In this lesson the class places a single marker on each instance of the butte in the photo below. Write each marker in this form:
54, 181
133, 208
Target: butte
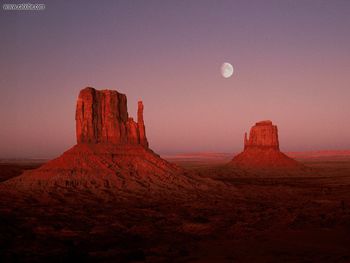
261, 150
112, 151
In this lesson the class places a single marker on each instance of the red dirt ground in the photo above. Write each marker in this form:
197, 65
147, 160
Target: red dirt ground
230, 216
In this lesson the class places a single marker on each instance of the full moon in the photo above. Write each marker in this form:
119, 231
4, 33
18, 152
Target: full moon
226, 70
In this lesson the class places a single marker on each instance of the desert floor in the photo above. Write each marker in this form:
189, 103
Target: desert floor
256, 216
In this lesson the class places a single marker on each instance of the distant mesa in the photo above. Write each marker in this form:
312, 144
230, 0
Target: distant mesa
261, 149
112, 151
263, 135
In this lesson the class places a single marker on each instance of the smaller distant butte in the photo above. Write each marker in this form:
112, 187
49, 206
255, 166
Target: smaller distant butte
261, 149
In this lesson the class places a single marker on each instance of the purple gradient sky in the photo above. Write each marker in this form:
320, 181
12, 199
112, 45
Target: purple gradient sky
291, 59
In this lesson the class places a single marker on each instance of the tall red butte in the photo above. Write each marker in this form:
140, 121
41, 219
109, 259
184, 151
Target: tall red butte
112, 151
261, 149
102, 117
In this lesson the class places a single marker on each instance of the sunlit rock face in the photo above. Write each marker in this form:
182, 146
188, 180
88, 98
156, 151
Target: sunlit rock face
141, 125
102, 117
261, 149
111, 152
262, 135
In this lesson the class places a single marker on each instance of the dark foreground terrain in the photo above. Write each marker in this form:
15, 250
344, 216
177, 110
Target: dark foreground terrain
254, 217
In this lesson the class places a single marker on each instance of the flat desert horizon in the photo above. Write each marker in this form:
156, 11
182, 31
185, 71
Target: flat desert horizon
291, 217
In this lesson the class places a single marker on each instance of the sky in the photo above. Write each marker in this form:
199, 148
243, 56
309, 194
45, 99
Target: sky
291, 60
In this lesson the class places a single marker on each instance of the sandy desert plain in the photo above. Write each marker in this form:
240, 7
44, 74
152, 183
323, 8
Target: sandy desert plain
236, 216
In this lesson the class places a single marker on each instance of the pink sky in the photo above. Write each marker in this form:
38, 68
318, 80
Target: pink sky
292, 64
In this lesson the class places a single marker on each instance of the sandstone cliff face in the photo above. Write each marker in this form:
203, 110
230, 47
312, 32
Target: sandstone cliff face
141, 125
111, 152
102, 117
261, 149
262, 135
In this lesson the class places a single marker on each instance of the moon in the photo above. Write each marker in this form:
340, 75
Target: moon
226, 70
